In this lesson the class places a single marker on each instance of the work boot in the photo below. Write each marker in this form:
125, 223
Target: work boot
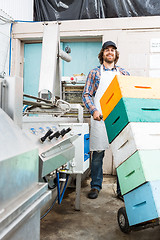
93, 193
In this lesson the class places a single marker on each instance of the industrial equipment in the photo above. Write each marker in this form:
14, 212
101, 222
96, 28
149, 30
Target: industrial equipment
54, 116
72, 88
22, 196
41, 146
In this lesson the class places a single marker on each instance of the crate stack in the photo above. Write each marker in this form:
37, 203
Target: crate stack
131, 111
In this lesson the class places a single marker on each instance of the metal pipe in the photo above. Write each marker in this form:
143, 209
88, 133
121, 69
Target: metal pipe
65, 56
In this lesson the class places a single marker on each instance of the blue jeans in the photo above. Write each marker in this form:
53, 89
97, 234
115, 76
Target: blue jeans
97, 170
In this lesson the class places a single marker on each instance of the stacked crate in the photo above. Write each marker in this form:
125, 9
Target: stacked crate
131, 111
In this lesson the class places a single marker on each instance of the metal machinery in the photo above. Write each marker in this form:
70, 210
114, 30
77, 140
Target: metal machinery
41, 146
21, 195
60, 118
65, 150
72, 88
57, 124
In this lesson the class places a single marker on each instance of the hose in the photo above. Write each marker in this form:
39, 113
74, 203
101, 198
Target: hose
58, 197
49, 209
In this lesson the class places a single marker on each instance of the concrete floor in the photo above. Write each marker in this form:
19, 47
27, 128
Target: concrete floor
97, 219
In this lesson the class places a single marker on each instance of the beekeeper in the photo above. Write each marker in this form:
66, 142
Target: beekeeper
96, 84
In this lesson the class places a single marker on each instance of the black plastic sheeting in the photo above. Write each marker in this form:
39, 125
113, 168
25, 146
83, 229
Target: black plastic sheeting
55, 10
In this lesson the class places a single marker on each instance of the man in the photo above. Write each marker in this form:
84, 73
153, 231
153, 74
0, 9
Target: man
96, 84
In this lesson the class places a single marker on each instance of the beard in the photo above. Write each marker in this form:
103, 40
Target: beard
109, 61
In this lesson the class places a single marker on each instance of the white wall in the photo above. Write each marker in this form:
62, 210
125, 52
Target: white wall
11, 10
18, 9
133, 37
4, 46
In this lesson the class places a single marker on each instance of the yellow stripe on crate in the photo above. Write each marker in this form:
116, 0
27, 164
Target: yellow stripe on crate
131, 87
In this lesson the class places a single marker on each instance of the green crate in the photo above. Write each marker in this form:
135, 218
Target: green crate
141, 167
131, 110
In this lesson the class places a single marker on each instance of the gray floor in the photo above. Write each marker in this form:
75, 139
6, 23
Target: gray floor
97, 219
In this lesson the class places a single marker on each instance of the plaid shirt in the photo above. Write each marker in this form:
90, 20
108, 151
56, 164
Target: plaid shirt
92, 84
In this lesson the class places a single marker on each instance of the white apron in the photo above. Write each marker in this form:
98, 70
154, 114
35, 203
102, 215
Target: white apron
98, 134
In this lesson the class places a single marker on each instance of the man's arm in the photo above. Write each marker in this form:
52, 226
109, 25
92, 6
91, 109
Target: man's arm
89, 90
97, 116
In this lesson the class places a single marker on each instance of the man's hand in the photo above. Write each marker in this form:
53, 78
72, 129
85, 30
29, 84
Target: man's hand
97, 116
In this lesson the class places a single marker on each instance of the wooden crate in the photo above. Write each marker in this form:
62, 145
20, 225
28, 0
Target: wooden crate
141, 167
131, 110
131, 87
135, 136
143, 204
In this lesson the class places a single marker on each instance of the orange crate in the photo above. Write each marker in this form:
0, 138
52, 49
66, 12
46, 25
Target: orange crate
130, 87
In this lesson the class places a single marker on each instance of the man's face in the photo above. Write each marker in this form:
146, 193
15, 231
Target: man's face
109, 54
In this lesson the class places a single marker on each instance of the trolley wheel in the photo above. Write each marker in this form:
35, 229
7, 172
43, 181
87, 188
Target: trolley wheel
123, 220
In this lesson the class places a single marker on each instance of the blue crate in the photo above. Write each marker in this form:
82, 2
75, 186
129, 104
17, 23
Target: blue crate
143, 203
